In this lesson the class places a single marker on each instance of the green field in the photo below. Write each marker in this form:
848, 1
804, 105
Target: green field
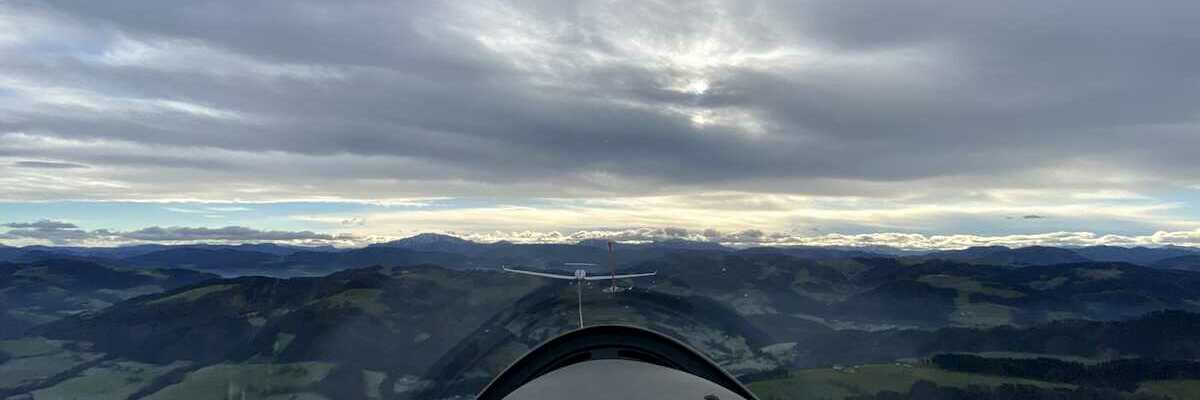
30, 346
974, 314
248, 381
109, 380
1183, 389
1020, 355
366, 300
194, 294
827, 383
36, 359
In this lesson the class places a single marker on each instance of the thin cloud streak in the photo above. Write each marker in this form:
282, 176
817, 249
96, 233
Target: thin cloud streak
62, 233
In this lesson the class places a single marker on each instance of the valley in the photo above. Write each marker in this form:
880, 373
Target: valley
793, 322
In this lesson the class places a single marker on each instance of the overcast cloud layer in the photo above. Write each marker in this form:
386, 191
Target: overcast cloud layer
791, 118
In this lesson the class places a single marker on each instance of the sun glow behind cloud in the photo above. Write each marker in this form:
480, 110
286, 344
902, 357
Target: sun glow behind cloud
539, 120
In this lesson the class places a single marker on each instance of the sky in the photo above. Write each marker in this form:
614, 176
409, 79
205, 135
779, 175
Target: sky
916, 124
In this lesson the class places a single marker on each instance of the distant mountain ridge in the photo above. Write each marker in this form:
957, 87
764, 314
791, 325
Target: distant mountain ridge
1044, 255
1134, 255
1000, 255
439, 243
1189, 262
454, 252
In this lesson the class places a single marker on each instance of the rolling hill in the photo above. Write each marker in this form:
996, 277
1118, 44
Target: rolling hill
424, 330
48, 290
1189, 262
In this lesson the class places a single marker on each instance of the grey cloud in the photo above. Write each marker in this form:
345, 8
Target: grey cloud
746, 236
56, 236
56, 232
66, 233
41, 224
1033, 216
382, 33
228, 233
907, 241
639, 234
643, 234
634, 234
675, 232
897, 91
48, 165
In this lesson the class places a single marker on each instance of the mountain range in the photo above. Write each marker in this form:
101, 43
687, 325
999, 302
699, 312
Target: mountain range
453, 252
